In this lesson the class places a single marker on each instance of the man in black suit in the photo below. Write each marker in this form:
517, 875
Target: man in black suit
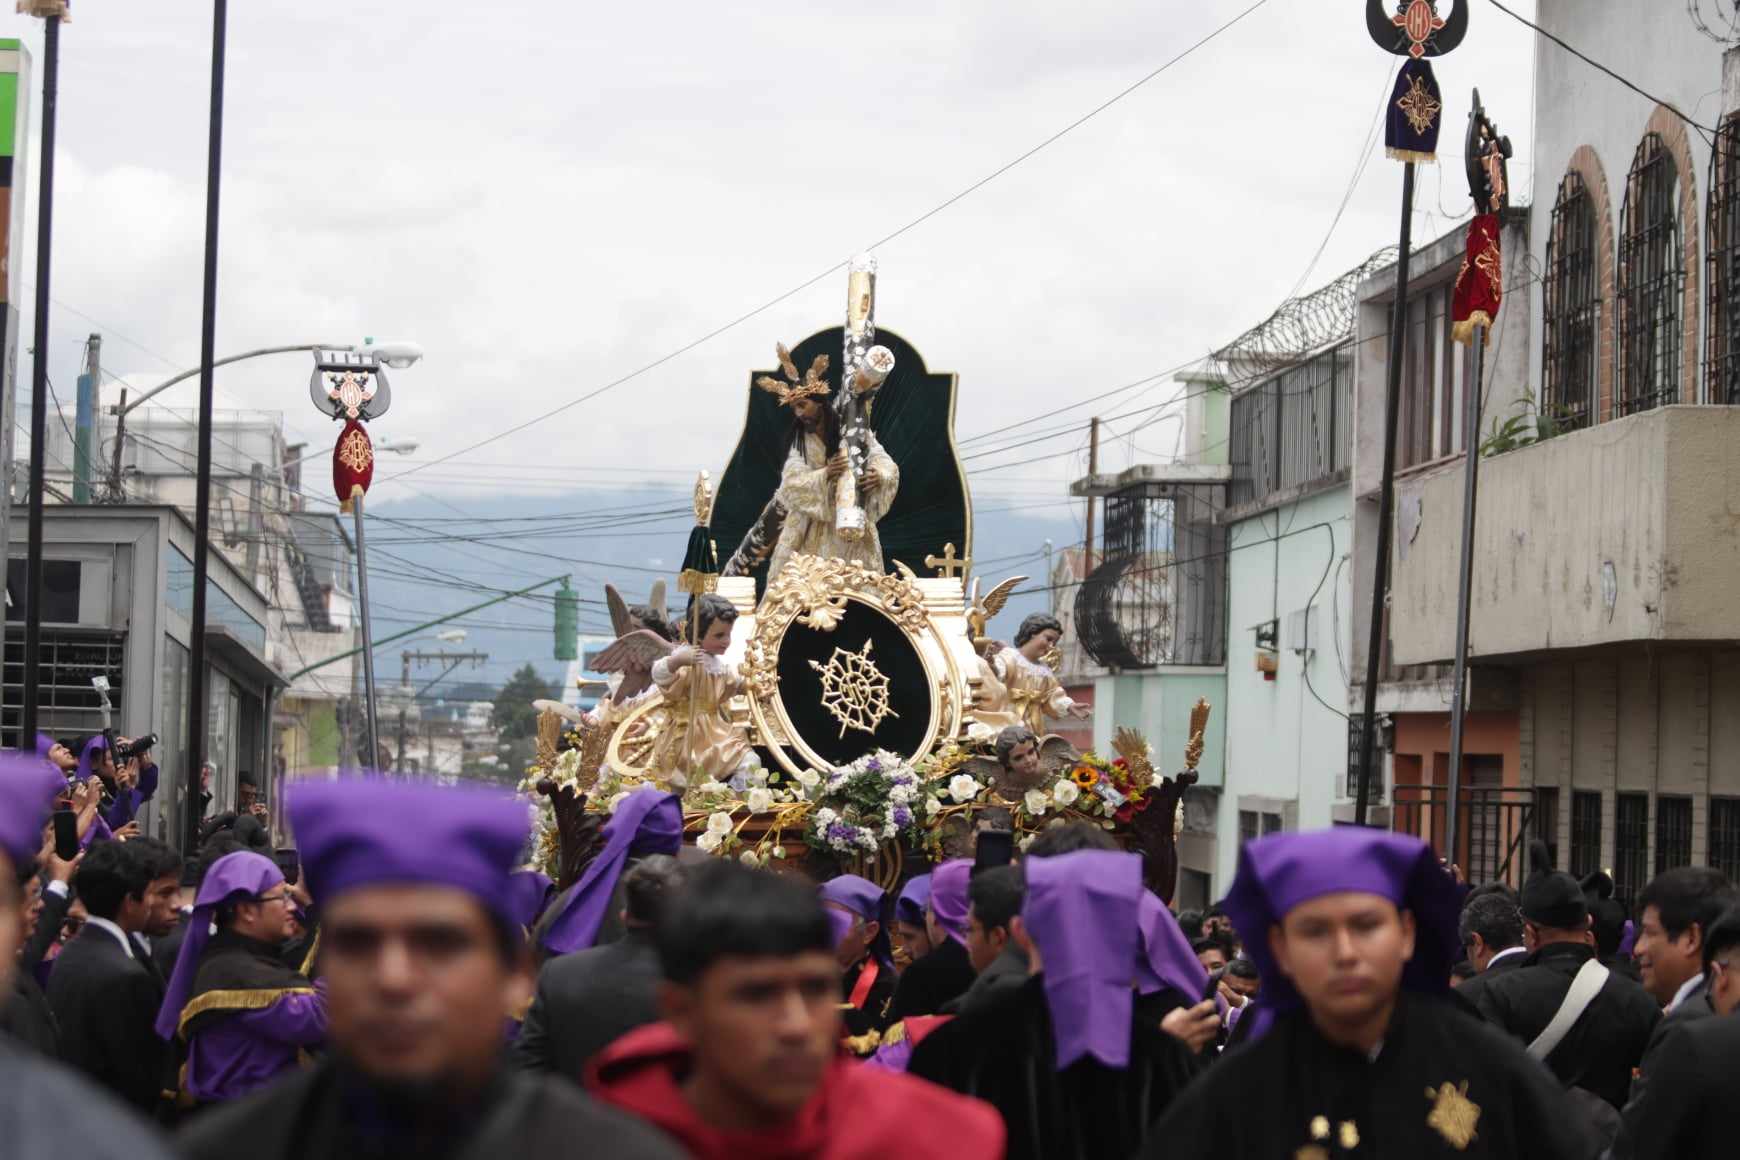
588, 999
104, 990
1491, 927
1687, 1110
1675, 911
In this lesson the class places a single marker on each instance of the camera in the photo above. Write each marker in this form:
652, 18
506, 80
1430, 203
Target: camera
138, 747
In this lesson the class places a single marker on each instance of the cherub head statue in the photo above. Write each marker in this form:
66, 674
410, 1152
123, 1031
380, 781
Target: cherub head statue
1018, 753
1038, 635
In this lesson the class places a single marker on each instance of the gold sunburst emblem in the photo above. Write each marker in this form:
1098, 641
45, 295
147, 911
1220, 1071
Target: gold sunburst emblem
1453, 1114
1419, 106
854, 690
354, 451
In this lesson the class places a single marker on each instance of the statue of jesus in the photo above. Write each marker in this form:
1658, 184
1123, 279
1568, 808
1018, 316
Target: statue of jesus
814, 464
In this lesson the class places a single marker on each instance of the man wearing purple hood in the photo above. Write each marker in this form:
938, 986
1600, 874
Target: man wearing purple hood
421, 956
1078, 1070
945, 972
1356, 1049
245, 1016
46, 1110
856, 906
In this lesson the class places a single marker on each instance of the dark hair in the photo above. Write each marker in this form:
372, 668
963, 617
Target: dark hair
649, 885
219, 845
1462, 969
158, 858
1200, 945
1723, 934
1228, 940
1009, 739
1686, 895
108, 875
1191, 922
830, 428
712, 608
1607, 920
996, 895
1242, 968
1495, 918
1070, 838
1215, 910
1034, 624
244, 778
728, 910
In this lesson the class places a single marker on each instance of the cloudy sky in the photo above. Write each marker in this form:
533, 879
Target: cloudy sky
549, 196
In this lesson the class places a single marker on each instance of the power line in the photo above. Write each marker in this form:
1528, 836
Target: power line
838, 266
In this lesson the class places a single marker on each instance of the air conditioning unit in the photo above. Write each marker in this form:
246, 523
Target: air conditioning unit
1302, 630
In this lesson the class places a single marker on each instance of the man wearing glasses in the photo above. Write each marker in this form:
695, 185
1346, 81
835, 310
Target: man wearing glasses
245, 1016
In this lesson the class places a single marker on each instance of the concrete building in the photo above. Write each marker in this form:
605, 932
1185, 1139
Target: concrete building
1604, 620
117, 596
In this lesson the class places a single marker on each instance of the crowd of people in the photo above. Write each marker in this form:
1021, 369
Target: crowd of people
405, 988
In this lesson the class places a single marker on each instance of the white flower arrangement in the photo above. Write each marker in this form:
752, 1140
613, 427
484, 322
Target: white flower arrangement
759, 801
719, 824
708, 843
864, 804
1065, 792
1037, 802
963, 787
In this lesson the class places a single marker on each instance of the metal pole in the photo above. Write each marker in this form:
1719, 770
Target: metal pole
84, 417
1465, 588
1093, 468
368, 652
196, 739
39, 385
1386, 501
404, 684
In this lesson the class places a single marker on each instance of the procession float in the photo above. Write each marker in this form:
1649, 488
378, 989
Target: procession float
829, 699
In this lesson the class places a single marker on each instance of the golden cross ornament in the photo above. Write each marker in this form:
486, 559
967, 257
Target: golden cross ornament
947, 565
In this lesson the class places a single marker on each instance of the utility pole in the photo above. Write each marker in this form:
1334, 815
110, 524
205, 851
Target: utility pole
406, 660
84, 438
51, 14
1093, 468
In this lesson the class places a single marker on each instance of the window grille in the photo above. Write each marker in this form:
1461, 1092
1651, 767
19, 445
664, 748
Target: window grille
67, 705
1630, 845
1725, 836
1722, 288
1651, 278
1572, 310
1585, 833
1673, 832
1546, 820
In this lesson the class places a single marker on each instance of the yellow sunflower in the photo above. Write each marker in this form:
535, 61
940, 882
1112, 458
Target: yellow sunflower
1084, 776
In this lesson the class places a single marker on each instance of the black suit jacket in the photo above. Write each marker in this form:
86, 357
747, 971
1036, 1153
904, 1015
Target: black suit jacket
106, 1002
1509, 962
1695, 1007
28, 1018
586, 1001
1687, 1110
1602, 1047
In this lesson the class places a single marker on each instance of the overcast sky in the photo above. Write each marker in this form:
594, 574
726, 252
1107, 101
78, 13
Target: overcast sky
547, 196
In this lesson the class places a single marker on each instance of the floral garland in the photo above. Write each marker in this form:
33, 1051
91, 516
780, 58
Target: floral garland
866, 803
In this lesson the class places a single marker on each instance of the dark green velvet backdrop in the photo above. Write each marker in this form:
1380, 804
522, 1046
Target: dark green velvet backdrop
911, 419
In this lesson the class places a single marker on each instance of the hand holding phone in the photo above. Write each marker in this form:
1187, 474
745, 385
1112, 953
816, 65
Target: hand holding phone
66, 836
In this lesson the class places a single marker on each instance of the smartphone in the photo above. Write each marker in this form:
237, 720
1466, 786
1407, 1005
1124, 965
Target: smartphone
1212, 989
993, 848
66, 835
289, 863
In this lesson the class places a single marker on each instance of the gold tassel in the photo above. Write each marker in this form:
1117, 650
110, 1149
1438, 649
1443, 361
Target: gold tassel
1463, 331
1416, 155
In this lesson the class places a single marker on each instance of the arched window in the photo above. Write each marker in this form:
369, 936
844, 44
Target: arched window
1572, 311
1651, 281
1722, 366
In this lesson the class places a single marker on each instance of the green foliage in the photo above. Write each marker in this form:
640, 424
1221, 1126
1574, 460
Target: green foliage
1531, 424
513, 715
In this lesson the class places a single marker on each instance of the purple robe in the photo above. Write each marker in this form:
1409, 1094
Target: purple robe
126, 805
247, 1050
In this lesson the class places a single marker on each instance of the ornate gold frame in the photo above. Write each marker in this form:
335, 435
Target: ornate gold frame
814, 591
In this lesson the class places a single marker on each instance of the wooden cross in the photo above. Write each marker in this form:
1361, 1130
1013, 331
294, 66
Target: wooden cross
946, 564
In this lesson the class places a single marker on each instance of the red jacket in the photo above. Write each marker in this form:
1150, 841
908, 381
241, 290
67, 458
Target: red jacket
860, 1113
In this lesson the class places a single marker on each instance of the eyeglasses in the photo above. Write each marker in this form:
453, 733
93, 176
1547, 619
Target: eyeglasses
281, 896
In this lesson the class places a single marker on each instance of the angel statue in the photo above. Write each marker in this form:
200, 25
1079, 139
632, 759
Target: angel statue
643, 635
697, 686
1017, 686
814, 463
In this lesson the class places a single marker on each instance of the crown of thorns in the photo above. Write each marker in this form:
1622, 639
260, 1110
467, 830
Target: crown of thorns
812, 384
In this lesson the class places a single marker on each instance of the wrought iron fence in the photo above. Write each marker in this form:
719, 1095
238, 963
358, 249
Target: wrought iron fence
1572, 310
1494, 824
1651, 280
1722, 287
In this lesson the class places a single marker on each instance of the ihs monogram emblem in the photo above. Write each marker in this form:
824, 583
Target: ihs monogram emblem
1418, 106
854, 690
1453, 1114
354, 451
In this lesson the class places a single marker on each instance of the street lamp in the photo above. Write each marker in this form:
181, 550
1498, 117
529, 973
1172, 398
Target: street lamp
397, 355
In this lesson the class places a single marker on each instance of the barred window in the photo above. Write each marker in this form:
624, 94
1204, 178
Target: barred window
1572, 309
1585, 833
1722, 334
1725, 836
1651, 278
1546, 820
1630, 845
1673, 832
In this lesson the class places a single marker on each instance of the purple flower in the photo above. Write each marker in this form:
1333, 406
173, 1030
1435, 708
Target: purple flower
873, 765
902, 816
